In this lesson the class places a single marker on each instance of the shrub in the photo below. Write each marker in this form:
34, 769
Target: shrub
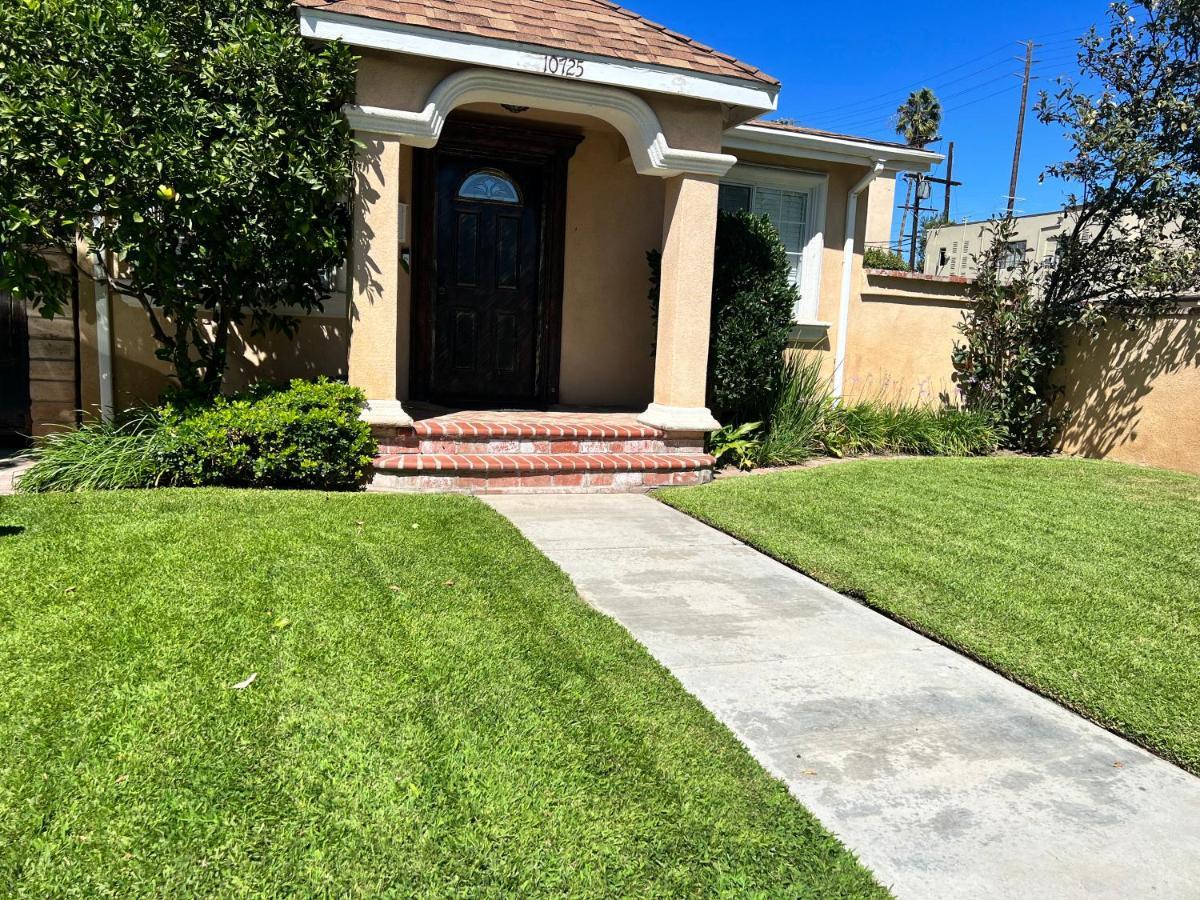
100, 456
753, 302
752, 308
881, 258
308, 435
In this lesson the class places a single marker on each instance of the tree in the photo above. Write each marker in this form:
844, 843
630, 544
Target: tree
917, 121
1131, 237
197, 149
919, 117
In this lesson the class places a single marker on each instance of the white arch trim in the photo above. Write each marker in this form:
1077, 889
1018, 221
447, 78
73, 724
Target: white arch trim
628, 113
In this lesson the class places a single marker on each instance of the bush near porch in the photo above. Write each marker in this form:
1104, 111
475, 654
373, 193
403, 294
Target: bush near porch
1080, 579
308, 434
435, 712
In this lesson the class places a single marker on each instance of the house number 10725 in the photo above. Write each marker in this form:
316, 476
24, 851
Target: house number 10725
563, 66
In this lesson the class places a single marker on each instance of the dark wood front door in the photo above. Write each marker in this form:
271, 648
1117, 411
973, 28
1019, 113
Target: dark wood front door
14, 368
485, 328
487, 273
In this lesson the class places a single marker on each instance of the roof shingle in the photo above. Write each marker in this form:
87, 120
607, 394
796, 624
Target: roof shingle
595, 27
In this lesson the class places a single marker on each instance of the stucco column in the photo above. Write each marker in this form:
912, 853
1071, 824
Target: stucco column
379, 293
684, 305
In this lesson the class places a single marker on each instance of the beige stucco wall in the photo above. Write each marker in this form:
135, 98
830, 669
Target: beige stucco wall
900, 334
1134, 396
139, 378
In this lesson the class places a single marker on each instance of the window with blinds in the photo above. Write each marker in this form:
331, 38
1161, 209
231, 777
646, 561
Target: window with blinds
791, 212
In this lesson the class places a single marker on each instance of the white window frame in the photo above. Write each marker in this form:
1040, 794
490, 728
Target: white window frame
815, 185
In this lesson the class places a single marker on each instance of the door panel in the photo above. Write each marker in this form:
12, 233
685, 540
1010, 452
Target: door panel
14, 367
488, 215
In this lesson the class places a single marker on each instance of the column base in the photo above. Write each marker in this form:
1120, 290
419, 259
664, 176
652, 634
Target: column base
679, 418
386, 412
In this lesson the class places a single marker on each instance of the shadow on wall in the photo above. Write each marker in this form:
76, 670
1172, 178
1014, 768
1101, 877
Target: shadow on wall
1108, 382
320, 347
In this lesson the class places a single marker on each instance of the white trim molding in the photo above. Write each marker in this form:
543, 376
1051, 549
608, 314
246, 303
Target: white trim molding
519, 56
628, 113
802, 145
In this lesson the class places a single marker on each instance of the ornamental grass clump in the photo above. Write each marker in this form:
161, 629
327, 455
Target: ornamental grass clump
806, 421
101, 456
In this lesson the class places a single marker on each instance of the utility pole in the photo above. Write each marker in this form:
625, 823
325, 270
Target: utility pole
949, 181
1012, 185
919, 183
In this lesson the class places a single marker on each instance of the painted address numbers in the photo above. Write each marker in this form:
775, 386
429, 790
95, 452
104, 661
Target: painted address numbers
563, 66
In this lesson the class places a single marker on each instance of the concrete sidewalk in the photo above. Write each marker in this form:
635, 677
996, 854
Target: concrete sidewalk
947, 779
11, 466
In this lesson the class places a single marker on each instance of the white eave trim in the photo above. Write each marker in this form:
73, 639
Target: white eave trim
825, 147
628, 113
521, 57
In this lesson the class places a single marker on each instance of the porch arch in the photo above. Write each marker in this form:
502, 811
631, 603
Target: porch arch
629, 114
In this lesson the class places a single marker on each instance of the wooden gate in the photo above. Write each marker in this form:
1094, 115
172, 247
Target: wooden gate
14, 369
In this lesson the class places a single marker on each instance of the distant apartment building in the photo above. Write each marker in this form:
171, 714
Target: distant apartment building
952, 249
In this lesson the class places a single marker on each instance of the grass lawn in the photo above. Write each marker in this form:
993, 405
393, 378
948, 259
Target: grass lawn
1081, 579
435, 712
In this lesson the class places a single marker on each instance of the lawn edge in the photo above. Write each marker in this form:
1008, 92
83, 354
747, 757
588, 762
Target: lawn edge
862, 599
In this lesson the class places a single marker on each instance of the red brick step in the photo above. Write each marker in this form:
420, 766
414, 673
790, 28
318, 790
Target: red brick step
505, 472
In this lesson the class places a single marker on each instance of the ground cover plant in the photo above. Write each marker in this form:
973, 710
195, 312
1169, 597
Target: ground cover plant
308, 434
1079, 578
215, 692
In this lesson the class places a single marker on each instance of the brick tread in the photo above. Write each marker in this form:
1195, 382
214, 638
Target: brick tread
543, 462
584, 431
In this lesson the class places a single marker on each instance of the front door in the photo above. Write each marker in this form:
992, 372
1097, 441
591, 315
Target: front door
486, 320
14, 368
488, 264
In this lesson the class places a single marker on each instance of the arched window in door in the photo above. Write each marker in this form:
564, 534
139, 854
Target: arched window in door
490, 185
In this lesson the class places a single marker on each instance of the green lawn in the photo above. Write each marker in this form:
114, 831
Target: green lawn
435, 712
1081, 579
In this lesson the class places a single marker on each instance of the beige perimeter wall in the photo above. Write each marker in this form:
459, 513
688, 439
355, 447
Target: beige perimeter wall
1133, 396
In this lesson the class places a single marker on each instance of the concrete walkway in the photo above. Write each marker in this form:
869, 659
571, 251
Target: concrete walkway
11, 466
947, 779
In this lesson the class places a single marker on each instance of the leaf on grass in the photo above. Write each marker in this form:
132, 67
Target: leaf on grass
282, 622
449, 583
121, 779
395, 587
70, 590
242, 685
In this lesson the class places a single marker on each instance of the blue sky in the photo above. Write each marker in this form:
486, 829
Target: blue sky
848, 70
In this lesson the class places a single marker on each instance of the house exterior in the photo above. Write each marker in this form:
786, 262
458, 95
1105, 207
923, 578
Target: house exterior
519, 160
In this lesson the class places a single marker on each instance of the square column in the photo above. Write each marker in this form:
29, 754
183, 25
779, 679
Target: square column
379, 290
684, 306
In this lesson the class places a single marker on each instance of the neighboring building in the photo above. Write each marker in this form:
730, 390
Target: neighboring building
953, 249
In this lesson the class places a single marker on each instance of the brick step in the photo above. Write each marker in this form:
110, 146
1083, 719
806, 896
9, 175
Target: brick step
517, 472
457, 437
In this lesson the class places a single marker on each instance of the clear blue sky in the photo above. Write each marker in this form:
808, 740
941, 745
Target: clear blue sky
847, 67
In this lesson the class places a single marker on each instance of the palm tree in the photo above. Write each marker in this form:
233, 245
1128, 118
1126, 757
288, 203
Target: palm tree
919, 117
917, 121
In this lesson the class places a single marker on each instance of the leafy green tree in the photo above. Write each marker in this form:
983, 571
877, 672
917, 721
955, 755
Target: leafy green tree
1131, 238
919, 117
196, 148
